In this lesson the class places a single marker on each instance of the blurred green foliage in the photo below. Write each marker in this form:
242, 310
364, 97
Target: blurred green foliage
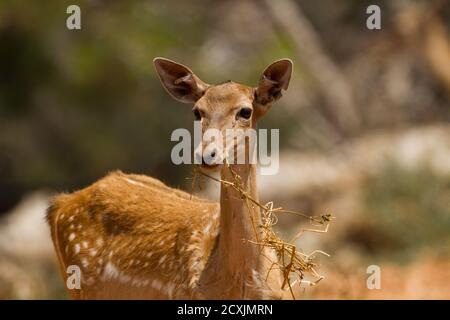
405, 210
76, 104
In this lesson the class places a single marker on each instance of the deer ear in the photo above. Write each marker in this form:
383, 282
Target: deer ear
179, 81
274, 79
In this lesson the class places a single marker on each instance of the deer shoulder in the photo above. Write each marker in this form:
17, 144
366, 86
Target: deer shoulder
134, 231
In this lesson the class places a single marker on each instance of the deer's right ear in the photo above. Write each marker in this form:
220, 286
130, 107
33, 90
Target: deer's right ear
179, 81
274, 79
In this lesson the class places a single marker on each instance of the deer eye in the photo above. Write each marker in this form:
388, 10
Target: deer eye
197, 115
245, 113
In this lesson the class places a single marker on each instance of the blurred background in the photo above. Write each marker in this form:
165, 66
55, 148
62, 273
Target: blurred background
364, 126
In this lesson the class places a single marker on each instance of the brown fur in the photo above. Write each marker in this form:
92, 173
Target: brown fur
134, 237
133, 220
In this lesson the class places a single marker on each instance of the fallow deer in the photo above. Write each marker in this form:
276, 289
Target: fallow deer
134, 237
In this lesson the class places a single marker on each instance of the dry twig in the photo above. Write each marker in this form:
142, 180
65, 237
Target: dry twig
292, 262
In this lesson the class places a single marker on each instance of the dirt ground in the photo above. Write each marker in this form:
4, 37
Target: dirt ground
422, 279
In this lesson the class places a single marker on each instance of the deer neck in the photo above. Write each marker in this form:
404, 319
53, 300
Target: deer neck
240, 268
239, 221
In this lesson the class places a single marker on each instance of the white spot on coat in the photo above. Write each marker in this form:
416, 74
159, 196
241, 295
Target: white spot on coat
84, 263
110, 272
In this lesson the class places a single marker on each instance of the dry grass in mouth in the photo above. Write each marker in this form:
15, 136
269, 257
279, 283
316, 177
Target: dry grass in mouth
292, 262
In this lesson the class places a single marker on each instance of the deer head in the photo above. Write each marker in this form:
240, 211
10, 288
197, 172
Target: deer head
225, 108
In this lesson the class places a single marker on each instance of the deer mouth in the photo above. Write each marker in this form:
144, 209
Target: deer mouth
210, 167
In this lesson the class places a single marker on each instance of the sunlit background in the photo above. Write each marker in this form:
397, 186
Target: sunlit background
364, 126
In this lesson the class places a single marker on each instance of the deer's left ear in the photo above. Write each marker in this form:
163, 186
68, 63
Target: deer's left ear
274, 79
179, 81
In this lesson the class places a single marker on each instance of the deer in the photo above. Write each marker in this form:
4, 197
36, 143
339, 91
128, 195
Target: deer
133, 237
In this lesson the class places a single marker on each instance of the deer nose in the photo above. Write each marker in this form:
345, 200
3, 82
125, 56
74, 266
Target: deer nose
211, 156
